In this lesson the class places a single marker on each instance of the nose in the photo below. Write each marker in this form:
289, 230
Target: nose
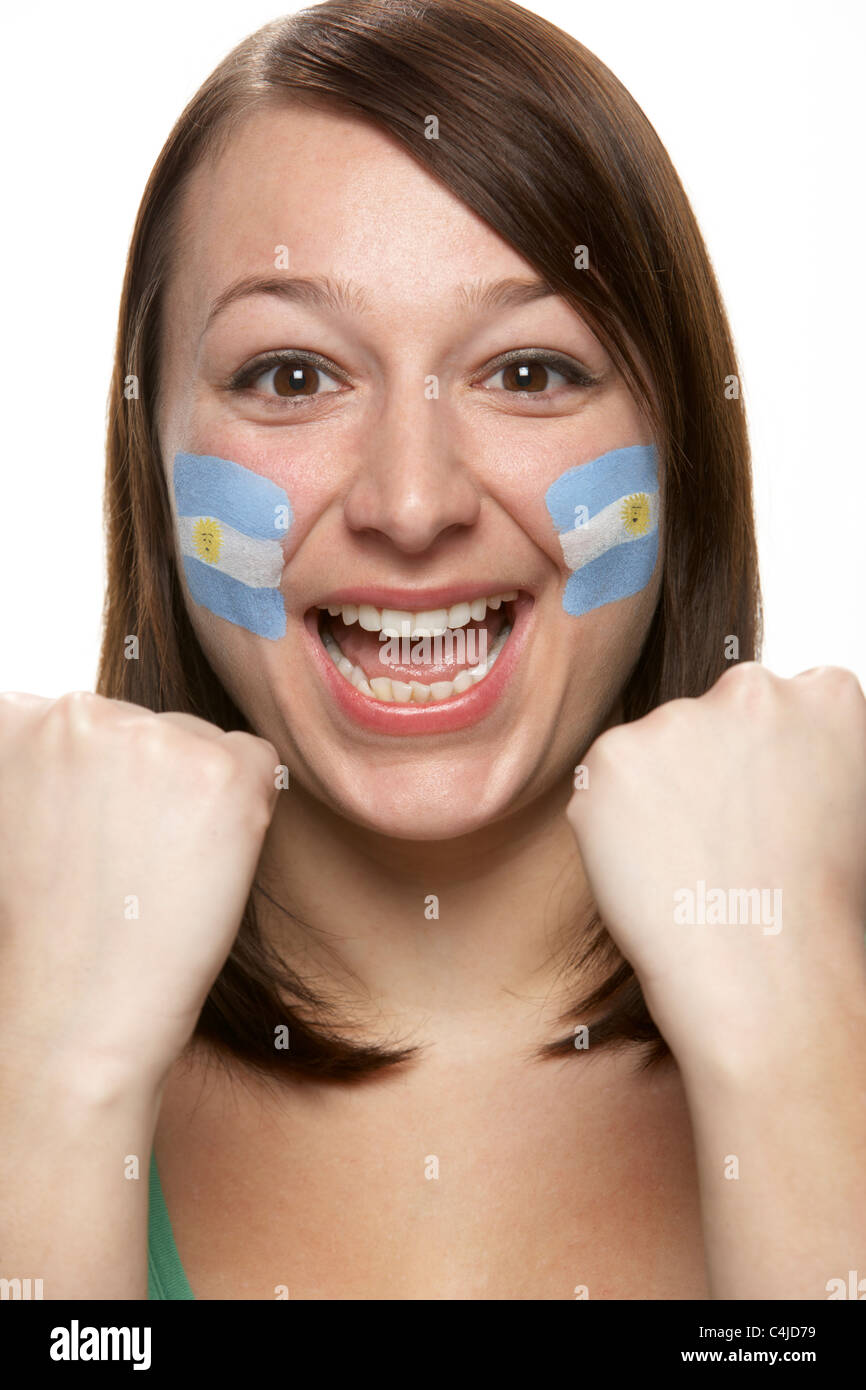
411, 485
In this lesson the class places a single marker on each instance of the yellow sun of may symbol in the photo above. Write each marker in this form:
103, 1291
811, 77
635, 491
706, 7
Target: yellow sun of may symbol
207, 537
635, 513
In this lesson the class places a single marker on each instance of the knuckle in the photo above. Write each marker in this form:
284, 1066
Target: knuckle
603, 746
75, 713
270, 753
671, 712
215, 768
248, 745
147, 739
835, 696
254, 761
610, 749
72, 701
745, 673
256, 758
81, 705
748, 683
168, 751
838, 680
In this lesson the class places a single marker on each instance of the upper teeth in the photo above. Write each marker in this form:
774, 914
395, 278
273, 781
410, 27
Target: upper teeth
396, 622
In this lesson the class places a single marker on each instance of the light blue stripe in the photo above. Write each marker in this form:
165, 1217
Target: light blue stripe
208, 486
618, 573
603, 480
258, 610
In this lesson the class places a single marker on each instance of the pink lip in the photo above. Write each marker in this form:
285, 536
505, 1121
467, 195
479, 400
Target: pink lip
456, 713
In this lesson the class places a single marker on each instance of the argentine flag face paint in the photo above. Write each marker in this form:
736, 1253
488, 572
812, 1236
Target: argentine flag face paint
230, 522
606, 513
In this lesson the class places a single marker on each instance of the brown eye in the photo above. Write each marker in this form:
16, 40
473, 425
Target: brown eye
525, 376
539, 376
288, 378
296, 379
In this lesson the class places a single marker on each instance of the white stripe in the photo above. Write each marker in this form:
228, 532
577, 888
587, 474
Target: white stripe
602, 532
256, 563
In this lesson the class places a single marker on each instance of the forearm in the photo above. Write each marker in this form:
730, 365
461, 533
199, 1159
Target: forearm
781, 1150
73, 1213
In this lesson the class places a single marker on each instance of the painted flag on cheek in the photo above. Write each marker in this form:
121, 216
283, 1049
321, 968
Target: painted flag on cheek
607, 515
230, 522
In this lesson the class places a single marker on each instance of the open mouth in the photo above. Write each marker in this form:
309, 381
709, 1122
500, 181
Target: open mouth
394, 656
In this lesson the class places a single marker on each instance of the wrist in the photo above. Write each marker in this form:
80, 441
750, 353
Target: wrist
70, 1084
814, 1051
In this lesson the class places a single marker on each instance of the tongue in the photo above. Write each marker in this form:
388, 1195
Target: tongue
415, 658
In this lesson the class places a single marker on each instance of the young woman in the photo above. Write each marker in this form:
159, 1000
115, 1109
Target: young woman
436, 890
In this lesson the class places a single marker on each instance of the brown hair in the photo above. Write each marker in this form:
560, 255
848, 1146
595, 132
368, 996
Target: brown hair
540, 139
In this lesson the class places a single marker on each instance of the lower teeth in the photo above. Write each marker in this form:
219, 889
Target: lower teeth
389, 691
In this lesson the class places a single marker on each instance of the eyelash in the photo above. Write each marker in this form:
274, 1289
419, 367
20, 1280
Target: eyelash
241, 381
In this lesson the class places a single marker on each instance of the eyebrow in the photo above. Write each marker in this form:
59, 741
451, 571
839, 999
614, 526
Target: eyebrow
341, 296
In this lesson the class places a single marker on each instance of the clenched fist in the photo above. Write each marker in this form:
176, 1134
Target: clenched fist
128, 843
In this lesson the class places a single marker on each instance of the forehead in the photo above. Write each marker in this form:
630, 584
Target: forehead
343, 197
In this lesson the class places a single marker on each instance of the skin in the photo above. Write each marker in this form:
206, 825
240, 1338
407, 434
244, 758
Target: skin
556, 1180
390, 487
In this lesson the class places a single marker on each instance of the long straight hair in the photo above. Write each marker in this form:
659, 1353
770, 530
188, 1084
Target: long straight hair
538, 138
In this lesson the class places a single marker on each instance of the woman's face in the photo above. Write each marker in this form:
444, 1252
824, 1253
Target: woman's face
416, 465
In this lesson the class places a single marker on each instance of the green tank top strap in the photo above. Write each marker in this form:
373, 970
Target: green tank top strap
165, 1274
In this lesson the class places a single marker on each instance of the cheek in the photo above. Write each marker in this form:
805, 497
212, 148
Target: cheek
231, 524
606, 515
600, 651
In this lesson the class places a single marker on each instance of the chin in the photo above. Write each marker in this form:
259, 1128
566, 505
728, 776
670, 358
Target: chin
426, 802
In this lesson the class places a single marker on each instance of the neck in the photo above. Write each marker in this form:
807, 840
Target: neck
429, 939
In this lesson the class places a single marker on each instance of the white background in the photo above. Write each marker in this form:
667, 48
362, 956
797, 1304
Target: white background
759, 105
